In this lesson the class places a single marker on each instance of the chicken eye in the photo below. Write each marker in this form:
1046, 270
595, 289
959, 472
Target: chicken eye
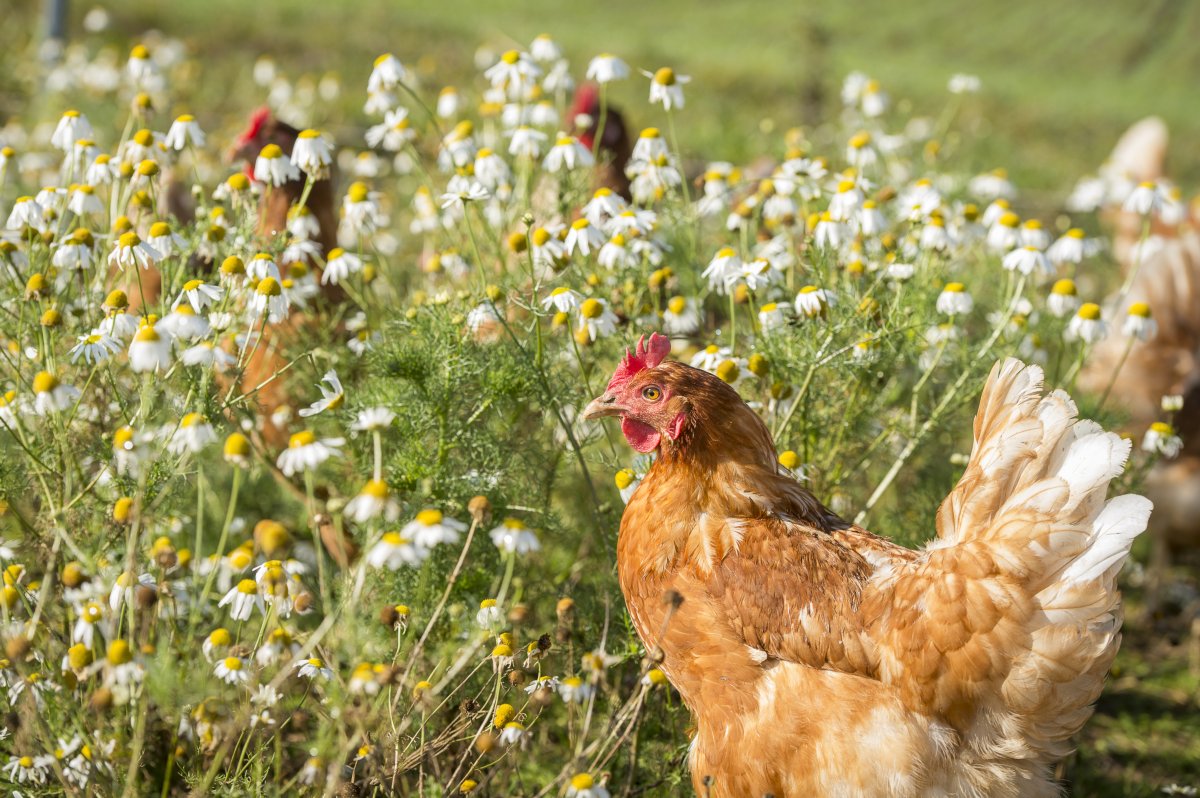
652, 393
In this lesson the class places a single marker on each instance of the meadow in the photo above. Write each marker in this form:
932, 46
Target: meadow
187, 467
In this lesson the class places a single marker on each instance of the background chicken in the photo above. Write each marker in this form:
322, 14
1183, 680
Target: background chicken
265, 128
1168, 281
616, 144
820, 659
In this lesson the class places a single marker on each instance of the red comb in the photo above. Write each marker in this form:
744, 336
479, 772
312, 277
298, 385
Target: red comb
257, 120
647, 355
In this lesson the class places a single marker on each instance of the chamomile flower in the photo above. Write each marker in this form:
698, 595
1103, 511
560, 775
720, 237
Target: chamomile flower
185, 324
666, 87
515, 74
954, 300
723, 270
563, 300
270, 300
373, 501
606, 68
394, 551
305, 452
812, 301
1161, 439
1063, 299
26, 770
1086, 325
312, 154
372, 419
184, 131
1069, 248
1145, 199
26, 213
199, 295
1139, 323
386, 74
394, 133
242, 599
469, 191
82, 201
51, 395
339, 265
1027, 260
193, 435
150, 349
596, 320
771, 317
513, 536
448, 103
124, 588
574, 690
273, 167
512, 733
604, 206
490, 615
72, 126
332, 395
130, 250
431, 528
217, 641
313, 668
627, 482
961, 83
526, 142
567, 154
681, 317
232, 670
207, 355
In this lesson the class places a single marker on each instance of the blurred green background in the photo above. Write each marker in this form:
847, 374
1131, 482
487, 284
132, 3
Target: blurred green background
1061, 80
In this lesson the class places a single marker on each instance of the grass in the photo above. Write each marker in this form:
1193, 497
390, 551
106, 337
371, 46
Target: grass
1061, 80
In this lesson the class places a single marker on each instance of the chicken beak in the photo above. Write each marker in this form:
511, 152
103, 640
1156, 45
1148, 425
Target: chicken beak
603, 406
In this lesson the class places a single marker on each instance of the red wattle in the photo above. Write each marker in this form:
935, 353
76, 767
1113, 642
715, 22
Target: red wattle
642, 437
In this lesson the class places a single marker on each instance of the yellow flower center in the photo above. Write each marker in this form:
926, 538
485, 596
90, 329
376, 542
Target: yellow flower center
487, 604
192, 420
129, 240
429, 517
1089, 311
728, 371
271, 152
269, 286
302, 438
376, 489
1064, 288
119, 653
1162, 428
665, 77
44, 382
248, 587
233, 664
591, 309
582, 781
676, 304
220, 637
1139, 309
789, 459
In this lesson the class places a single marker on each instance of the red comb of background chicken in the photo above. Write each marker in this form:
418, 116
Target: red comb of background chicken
587, 101
257, 120
647, 355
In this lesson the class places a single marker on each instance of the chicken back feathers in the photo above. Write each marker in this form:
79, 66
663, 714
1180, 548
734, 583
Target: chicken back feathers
820, 659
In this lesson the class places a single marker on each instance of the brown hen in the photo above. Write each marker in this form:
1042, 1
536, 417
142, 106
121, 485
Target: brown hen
820, 659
